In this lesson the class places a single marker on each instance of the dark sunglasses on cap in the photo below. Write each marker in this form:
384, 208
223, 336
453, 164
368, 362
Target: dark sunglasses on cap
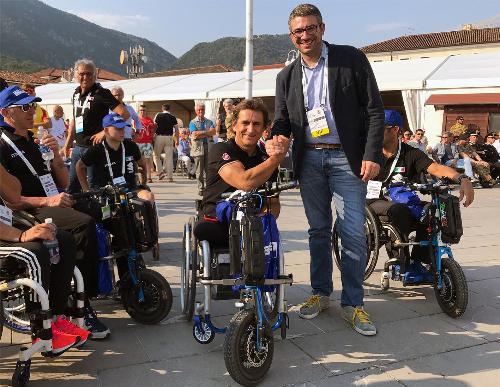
26, 107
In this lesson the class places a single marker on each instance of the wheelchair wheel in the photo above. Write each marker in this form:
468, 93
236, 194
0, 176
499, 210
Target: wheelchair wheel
454, 294
245, 364
372, 233
188, 270
14, 312
157, 298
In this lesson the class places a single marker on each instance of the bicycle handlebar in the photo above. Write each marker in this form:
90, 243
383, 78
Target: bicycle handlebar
269, 190
109, 190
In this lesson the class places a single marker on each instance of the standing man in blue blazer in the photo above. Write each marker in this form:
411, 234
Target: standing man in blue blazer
329, 101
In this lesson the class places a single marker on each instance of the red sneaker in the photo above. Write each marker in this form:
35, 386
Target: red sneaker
66, 326
61, 341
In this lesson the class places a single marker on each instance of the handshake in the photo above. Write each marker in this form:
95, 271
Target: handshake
277, 146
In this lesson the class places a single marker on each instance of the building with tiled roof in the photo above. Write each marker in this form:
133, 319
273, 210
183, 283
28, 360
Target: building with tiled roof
18, 78
469, 40
52, 75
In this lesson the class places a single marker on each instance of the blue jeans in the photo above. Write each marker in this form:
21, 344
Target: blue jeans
326, 174
74, 184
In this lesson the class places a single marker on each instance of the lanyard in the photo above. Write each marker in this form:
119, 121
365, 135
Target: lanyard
84, 106
109, 161
323, 95
20, 154
394, 162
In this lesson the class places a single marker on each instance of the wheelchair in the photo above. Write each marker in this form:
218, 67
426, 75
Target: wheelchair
444, 228
132, 229
14, 287
241, 271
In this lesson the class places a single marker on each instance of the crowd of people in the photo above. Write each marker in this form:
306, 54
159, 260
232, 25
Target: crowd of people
342, 142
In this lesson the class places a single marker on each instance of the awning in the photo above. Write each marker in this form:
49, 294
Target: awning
464, 99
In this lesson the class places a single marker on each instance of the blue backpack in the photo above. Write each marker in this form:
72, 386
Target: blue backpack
406, 196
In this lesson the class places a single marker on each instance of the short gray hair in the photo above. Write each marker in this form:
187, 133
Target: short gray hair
199, 104
84, 62
117, 88
228, 101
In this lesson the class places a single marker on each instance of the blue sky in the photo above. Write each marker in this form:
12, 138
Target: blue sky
178, 25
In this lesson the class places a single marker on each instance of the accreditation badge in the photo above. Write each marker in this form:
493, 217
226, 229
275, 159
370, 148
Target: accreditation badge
5, 215
48, 184
317, 122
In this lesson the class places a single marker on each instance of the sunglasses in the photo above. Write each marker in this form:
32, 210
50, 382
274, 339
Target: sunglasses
298, 32
26, 107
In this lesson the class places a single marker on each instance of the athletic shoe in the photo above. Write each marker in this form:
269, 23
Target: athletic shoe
359, 320
66, 326
98, 331
313, 306
61, 342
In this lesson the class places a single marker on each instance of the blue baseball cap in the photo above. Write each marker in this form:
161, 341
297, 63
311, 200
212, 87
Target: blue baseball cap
14, 95
115, 120
393, 118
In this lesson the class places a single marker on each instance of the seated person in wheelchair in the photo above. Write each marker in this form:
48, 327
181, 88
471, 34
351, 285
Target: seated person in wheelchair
40, 185
24, 248
408, 162
118, 158
238, 164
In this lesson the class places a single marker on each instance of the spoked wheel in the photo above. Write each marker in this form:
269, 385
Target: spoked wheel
157, 298
246, 365
205, 335
372, 234
14, 313
188, 270
454, 294
21, 375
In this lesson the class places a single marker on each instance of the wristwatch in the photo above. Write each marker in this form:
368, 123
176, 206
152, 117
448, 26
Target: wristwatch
462, 176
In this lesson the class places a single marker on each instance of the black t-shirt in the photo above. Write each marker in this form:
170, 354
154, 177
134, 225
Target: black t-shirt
100, 101
96, 156
221, 154
165, 123
411, 162
10, 160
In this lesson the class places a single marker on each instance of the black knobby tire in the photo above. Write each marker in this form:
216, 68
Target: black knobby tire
192, 270
454, 294
22, 374
244, 364
372, 232
157, 298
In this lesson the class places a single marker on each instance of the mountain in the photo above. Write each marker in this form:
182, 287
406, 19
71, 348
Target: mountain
267, 49
33, 31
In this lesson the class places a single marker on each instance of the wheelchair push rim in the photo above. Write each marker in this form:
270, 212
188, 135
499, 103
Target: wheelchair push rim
188, 270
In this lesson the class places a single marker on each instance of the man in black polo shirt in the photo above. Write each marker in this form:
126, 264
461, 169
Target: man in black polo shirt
117, 158
408, 162
21, 157
91, 102
166, 126
237, 164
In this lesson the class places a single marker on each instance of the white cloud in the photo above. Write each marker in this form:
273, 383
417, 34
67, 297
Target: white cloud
386, 27
113, 21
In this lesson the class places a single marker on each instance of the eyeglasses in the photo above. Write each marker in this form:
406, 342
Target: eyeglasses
298, 32
85, 74
26, 107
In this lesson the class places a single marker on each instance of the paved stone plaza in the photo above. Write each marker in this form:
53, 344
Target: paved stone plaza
416, 345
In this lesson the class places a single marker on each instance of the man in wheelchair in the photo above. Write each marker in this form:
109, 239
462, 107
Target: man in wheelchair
22, 251
41, 183
238, 164
118, 158
403, 162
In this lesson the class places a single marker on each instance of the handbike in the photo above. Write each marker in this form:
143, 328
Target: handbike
145, 294
444, 227
250, 270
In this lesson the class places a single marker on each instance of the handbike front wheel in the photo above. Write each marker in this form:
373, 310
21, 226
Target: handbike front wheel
245, 364
454, 294
157, 298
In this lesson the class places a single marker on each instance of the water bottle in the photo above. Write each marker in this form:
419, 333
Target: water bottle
53, 247
46, 152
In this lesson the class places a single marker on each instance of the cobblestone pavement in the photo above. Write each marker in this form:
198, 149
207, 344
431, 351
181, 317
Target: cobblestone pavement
416, 343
